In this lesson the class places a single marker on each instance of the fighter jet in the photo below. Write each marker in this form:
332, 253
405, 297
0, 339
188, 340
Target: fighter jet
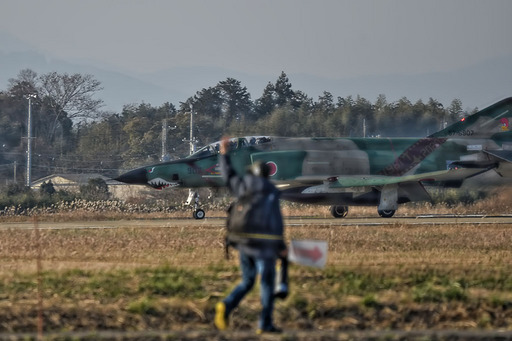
342, 172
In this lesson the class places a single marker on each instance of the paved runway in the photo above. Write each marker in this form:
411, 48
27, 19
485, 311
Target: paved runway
289, 221
419, 220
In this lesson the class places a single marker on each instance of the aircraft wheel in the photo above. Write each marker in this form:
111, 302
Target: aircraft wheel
386, 213
199, 214
339, 211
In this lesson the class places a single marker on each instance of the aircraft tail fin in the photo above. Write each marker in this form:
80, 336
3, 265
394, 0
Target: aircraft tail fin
483, 124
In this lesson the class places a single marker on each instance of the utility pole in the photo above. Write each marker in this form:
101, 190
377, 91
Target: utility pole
192, 144
191, 141
164, 140
29, 140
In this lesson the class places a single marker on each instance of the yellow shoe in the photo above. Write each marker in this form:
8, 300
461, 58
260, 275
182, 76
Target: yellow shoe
221, 321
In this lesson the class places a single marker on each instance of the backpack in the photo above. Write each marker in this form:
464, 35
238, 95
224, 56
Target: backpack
250, 222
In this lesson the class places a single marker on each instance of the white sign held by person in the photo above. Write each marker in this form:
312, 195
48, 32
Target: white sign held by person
308, 252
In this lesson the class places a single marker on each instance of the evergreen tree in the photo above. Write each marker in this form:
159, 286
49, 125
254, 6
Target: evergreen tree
237, 102
267, 102
325, 103
455, 111
283, 90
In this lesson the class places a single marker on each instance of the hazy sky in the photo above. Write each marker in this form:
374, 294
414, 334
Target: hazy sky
336, 38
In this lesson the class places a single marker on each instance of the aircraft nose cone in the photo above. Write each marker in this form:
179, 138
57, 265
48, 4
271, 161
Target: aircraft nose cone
135, 177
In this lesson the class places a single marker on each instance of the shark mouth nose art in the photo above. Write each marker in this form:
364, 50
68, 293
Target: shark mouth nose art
160, 183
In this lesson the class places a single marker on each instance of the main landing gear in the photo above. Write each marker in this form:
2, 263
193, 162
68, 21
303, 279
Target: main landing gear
339, 211
342, 211
386, 213
198, 213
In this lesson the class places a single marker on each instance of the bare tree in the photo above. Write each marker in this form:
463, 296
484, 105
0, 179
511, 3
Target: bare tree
70, 95
25, 84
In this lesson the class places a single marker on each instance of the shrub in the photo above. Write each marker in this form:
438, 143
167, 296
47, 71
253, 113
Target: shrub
96, 189
47, 188
452, 196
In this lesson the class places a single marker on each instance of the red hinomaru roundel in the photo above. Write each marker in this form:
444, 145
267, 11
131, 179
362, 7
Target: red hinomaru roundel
273, 168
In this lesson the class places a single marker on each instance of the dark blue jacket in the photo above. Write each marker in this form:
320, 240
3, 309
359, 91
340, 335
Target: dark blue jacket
254, 185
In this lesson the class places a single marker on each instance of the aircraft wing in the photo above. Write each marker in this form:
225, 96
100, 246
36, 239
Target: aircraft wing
348, 181
377, 181
503, 155
381, 180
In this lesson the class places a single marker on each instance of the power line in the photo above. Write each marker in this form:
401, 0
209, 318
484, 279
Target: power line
7, 165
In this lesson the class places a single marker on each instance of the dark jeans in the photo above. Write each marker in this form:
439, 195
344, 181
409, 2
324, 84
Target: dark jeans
249, 266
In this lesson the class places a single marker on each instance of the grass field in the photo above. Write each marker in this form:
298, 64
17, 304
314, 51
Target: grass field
166, 277
151, 277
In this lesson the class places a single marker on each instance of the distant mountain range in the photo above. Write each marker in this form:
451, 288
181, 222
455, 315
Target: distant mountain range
476, 86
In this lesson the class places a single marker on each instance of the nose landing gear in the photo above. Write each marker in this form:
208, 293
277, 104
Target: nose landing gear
198, 213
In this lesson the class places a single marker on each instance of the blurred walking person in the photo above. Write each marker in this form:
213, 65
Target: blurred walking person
259, 243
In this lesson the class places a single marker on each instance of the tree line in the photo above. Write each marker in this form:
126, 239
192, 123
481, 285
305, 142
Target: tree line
72, 134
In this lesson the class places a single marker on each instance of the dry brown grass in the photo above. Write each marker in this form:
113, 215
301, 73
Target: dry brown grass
159, 243
497, 202
334, 298
397, 253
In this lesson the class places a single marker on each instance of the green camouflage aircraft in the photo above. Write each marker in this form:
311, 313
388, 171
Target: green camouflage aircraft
342, 172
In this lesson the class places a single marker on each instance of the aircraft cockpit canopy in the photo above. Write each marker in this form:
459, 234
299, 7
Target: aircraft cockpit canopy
235, 143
